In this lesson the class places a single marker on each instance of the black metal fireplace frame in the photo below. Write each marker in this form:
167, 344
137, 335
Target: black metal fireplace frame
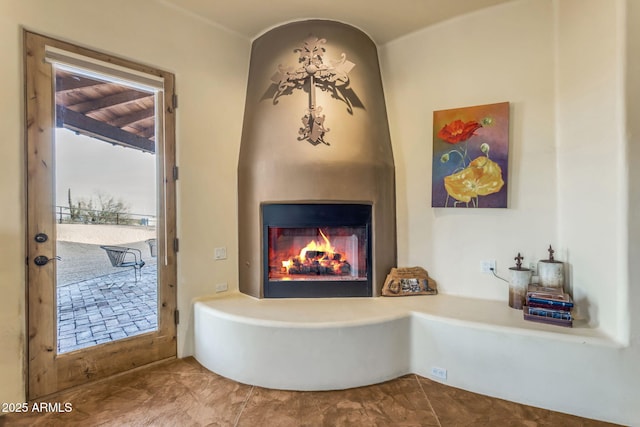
296, 215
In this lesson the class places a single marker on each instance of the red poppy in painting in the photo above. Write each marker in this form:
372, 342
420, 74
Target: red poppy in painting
458, 131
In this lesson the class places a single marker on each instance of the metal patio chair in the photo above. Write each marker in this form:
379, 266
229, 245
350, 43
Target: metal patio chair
153, 247
121, 256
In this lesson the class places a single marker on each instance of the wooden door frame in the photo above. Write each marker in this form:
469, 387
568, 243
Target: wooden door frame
47, 371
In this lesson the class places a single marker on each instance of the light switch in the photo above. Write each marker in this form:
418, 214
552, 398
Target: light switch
220, 253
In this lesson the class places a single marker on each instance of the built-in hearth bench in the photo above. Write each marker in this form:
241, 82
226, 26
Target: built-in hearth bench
337, 343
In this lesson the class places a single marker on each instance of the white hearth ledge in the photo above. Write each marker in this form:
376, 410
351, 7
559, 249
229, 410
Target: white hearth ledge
337, 343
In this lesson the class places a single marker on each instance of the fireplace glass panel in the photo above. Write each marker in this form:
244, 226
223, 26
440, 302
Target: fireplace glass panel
318, 253
316, 250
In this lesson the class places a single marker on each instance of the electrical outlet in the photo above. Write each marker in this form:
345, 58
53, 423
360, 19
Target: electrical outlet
487, 265
439, 373
220, 253
533, 266
221, 287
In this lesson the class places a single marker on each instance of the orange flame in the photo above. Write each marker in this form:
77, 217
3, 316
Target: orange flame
313, 245
318, 257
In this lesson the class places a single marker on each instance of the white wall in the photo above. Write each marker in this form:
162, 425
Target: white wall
499, 54
567, 164
591, 155
211, 69
633, 157
562, 65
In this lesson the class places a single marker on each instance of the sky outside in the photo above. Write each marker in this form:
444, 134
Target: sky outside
89, 166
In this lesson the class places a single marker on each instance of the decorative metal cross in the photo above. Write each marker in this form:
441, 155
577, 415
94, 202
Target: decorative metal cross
320, 75
519, 259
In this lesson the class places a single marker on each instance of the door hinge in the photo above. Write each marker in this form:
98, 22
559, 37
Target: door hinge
176, 172
176, 316
176, 244
174, 101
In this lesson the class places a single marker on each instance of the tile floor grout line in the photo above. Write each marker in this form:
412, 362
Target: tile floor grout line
244, 405
433, 411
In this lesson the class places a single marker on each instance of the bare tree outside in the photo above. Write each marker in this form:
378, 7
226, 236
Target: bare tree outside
102, 208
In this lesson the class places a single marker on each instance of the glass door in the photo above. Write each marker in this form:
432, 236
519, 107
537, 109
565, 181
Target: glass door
100, 215
105, 209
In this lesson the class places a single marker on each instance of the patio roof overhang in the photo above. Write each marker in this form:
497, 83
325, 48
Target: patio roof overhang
108, 111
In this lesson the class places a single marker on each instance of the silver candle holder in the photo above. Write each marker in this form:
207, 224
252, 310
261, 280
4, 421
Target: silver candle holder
518, 284
551, 272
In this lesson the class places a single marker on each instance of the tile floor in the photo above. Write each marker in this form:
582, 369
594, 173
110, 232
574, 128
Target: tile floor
183, 393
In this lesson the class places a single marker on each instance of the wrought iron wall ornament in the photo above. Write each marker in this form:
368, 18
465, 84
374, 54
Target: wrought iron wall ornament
332, 77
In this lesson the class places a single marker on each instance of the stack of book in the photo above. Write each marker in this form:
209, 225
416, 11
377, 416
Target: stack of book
548, 305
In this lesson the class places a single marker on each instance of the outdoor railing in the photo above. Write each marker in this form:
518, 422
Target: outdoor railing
65, 215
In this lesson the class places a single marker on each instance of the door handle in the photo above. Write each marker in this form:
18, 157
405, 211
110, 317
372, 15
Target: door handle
41, 260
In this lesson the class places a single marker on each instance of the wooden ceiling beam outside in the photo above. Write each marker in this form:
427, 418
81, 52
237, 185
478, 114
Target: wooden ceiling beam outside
131, 118
66, 84
109, 101
85, 125
148, 132
105, 110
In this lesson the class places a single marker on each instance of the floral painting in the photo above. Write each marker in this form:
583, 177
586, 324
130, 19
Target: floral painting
470, 157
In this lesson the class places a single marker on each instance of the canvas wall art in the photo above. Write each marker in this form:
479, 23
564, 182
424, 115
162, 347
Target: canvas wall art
471, 157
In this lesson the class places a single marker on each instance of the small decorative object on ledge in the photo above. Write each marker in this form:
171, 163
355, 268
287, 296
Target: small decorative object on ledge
408, 281
548, 305
518, 283
551, 272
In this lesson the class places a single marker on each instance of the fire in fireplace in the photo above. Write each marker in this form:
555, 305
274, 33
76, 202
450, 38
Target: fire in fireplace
319, 258
317, 250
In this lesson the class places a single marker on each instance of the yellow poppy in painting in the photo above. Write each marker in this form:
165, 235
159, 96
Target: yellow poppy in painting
483, 176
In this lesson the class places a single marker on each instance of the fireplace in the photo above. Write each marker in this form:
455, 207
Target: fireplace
300, 181
316, 250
